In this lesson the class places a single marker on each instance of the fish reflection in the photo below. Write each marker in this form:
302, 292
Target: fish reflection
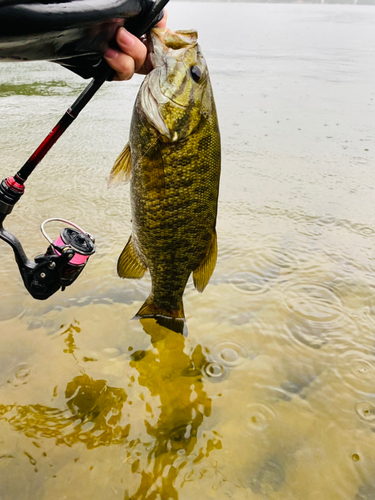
175, 378
162, 455
92, 416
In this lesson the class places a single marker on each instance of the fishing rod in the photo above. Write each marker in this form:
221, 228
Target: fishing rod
65, 257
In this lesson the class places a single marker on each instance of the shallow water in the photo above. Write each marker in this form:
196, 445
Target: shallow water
271, 396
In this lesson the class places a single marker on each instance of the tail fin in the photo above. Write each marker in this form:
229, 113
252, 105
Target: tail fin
172, 319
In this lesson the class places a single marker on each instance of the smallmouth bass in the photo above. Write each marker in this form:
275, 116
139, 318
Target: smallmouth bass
173, 163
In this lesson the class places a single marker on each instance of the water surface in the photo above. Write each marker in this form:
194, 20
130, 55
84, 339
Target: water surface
271, 396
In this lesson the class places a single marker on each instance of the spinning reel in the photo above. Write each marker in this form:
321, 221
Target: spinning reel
62, 262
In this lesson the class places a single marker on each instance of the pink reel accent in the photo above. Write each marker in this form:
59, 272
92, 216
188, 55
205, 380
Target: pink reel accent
77, 260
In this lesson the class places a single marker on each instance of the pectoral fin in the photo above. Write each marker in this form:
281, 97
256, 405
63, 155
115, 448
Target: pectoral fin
121, 170
202, 275
129, 264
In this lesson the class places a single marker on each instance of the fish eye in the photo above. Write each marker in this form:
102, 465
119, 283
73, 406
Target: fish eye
196, 73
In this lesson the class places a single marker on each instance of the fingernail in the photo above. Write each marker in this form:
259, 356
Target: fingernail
111, 54
126, 38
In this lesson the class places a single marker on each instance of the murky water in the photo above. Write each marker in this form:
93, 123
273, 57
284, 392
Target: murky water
272, 395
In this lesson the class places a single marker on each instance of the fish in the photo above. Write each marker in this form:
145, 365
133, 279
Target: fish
173, 162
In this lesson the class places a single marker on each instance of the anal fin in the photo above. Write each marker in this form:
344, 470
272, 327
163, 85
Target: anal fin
202, 275
129, 264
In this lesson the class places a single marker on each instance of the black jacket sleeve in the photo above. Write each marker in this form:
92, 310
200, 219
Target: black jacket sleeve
73, 33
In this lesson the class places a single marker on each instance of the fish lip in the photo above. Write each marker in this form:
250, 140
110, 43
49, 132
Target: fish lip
152, 60
155, 59
157, 48
153, 56
151, 51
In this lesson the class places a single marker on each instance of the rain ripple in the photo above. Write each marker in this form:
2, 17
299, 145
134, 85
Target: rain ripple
230, 354
316, 313
224, 357
214, 372
357, 369
260, 416
249, 282
21, 375
365, 412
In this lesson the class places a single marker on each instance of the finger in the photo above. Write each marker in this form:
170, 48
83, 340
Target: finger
122, 63
163, 22
132, 46
133, 57
147, 65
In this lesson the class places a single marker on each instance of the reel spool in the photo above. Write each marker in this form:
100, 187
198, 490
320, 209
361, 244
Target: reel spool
77, 240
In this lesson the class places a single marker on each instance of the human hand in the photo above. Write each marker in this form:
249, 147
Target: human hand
133, 56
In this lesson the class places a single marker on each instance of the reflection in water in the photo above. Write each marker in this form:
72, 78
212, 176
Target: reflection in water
38, 89
69, 338
94, 416
176, 379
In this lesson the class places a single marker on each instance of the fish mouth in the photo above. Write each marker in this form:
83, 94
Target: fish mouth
163, 40
167, 50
